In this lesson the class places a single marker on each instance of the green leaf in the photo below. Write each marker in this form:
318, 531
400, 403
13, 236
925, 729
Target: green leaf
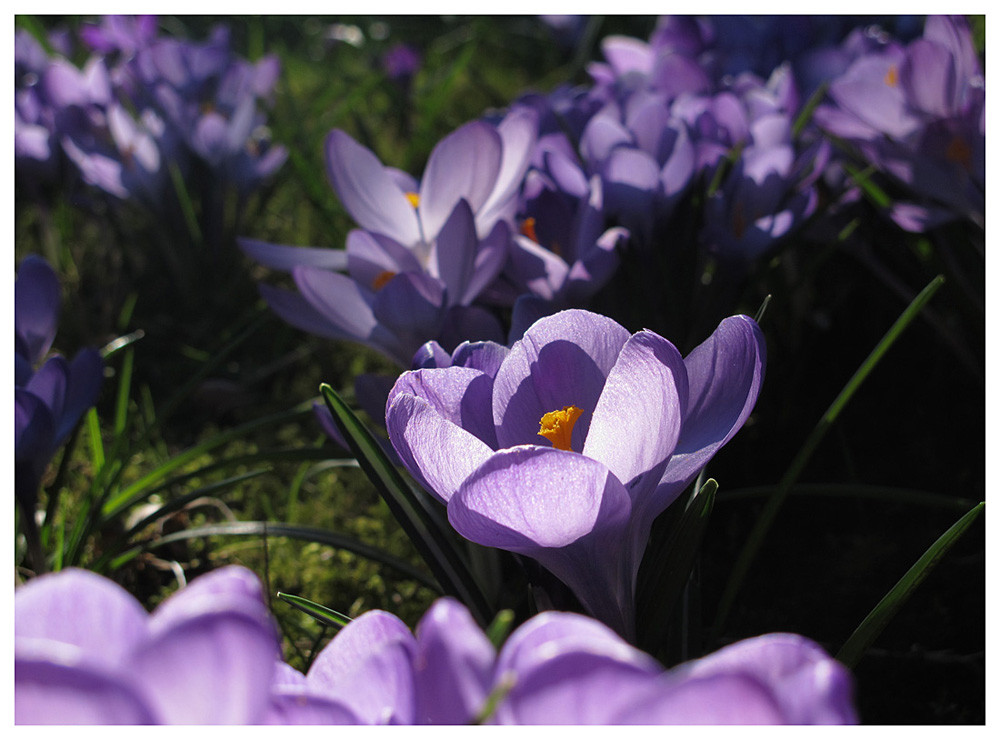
672, 567
500, 627
295, 532
763, 524
317, 611
872, 626
423, 529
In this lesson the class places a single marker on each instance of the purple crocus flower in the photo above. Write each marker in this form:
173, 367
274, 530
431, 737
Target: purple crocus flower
401, 63
581, 437
85, 652
424, 253
918, 112
49, 401
563, 668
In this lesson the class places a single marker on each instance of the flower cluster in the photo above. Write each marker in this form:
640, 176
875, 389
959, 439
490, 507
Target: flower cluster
85, 652
143, 111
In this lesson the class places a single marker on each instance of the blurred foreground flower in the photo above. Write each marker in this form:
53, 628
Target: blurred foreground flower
85, 652
563, 668
629, 424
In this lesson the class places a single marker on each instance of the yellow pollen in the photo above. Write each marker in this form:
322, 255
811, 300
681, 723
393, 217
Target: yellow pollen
414, 199
892, 76
959, 153
557, 426
528, 228
381, 279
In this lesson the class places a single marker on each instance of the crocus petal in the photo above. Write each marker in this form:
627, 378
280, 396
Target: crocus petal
213, 668
717, 700
368, 667
301, 314
464, 164
454, 251
36, 306
627, 54
280, 257
338, 299
518, 132
724, 377
928, 75
644, 400
561, 360
368, 192
808, 685
490, 260
439, 453
460, 395
373, 257
297, 708
50, 693
235, 586
566, 511
455, 662
80, 608
539, 270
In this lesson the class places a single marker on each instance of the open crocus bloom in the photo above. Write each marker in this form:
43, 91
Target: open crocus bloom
581, 437
85, 652
563, 668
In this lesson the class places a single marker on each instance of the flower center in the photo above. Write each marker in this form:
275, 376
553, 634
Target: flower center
528, 228
381, 279
959, 153
557, 426
892, 76
414, 199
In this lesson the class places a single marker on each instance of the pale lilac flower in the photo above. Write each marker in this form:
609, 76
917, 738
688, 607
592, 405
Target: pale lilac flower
85, 652
581, 438
562, 668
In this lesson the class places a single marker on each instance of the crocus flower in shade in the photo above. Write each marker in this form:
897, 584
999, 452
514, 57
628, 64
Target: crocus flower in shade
49, 401
581, 438
918, 112
563, 668
401, 63
424, 253
85, 652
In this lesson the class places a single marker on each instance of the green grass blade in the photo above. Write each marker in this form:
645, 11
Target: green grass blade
297, 532
886, 609
317, 611
671, 570
774, 502
500, 627
432, 544
124, 389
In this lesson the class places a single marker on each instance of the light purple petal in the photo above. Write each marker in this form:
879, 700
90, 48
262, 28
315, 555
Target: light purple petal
213, 668
808, 685
36, 306
566, 511
454, 251
561, 360
280, 257
237, 587
638, 418
368, 191
460, 395
928, 75
518, 132
301, 314
493, 251
439, 453
464, 164
627, 54
368, 667
372, 258
338, 299
47, 692
82, 609
297, 708
717, 700
541, 271
455, 663
725, 373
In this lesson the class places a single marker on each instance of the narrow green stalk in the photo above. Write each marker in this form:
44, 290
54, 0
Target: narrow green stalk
774, 502
872, 625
